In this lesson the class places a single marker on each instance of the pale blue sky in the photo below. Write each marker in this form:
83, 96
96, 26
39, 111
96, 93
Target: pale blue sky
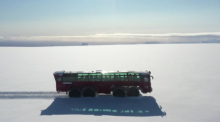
88, 17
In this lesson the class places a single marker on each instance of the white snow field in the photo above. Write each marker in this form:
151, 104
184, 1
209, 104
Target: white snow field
186, 87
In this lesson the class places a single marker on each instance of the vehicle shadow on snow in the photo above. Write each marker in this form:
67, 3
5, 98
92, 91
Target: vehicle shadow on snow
105, 105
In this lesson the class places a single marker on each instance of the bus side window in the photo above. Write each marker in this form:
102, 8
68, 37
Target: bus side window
138, 78
134, 77
98, 78
82, 77
85, 77
68, 78
120, 76
108, 77
129, 77
78, 78
91, 78
125, 78
103, 78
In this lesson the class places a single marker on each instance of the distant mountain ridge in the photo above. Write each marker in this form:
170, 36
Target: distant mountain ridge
6, 43
211, 41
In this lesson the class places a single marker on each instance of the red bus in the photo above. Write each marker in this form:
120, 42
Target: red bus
89, 84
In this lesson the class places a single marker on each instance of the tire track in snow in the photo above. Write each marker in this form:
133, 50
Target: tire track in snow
31, 95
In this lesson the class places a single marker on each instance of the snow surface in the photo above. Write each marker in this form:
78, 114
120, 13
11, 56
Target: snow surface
186, 85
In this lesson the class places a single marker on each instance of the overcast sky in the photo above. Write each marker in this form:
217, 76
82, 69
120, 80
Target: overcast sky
28, 19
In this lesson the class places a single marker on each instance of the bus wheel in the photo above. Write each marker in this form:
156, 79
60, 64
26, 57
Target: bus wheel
133, 91
119, 93
89, 92
74, 92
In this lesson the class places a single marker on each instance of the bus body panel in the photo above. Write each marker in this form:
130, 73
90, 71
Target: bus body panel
102, 86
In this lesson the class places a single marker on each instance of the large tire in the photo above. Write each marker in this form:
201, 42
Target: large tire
74, 92
89, 92
119, 93
133, 92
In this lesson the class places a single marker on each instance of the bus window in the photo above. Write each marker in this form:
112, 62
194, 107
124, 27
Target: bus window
85, 77
137, 78
69, 77
121, 77
134, 77
145, 78
108, 77
82, 77
94, 77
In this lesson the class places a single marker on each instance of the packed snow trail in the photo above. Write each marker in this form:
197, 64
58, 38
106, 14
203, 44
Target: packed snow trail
31, 95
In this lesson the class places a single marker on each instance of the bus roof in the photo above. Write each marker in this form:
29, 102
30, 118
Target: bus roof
99, 71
